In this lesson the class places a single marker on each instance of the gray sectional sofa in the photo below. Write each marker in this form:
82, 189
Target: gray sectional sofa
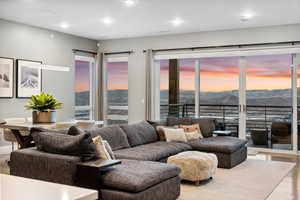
143, 173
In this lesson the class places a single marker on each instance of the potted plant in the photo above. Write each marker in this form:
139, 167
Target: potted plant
44, 108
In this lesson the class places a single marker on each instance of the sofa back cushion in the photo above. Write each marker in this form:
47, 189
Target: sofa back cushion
59, 143
140, 133
174, 121
114, 135
156, 123
207, 126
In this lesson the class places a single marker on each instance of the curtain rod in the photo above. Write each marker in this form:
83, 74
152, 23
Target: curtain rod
120, 52
84, 51
225, 46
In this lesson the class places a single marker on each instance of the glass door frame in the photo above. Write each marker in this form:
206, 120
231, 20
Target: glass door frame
242, 89
91, 61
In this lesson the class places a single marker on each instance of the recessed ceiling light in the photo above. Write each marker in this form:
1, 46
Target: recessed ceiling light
64, 25
247, 15
177, 21
129, 3
107, 20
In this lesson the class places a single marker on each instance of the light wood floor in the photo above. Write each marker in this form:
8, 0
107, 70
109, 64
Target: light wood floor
289, 187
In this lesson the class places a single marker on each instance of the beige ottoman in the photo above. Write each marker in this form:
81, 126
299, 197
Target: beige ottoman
195, 166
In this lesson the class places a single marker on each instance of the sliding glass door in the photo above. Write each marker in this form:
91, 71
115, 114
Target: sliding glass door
117, 90
269, 101
255, 96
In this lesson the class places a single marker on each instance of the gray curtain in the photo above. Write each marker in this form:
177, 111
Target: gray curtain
100, 90
149, 96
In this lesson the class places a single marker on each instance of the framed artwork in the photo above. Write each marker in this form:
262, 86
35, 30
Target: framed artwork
29, 78
6, 77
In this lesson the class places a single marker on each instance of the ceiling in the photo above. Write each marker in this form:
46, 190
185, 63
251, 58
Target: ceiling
147, 17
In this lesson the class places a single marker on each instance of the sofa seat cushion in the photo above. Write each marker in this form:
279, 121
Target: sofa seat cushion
153, 152
140, 133
136, 176
221, 144
114, 135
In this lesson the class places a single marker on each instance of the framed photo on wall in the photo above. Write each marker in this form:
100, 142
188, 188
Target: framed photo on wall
29, 78
6, 77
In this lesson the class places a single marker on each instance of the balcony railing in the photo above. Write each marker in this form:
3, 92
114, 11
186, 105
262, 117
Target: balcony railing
117, 113
258, 116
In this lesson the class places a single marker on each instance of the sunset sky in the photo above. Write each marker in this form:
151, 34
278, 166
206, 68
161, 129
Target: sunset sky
82, 75
221, 74
217, 74
117, 75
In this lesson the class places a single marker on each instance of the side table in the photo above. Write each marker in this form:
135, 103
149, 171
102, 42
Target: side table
222, 133
89, 173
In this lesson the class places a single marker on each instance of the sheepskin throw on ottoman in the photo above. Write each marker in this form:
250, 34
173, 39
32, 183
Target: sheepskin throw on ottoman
195, 166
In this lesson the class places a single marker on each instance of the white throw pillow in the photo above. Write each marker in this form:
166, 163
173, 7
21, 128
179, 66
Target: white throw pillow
175, 135
109, 150
193, 135
102, 153
161, 132
192, 128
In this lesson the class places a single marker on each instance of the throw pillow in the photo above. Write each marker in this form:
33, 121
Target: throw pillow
102, 153
161, 132
109, 150
193, 135
74, 130
192, 129
58, 143
175, 135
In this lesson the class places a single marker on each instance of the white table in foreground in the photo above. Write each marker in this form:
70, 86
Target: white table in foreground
18, 188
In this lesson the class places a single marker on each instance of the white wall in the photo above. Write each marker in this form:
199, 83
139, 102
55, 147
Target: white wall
53, 48
227, 37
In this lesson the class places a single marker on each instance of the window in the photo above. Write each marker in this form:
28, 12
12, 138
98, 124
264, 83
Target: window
117, 91
187, 81
84, 67
164, 88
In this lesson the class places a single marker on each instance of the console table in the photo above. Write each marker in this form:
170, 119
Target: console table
27, 141
18, 188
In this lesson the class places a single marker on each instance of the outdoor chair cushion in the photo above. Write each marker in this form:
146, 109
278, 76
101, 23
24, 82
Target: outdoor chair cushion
221, 144
140, 133
152, 152
136, 176
114, 135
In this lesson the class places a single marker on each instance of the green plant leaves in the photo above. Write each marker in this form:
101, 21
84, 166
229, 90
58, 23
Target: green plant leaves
43, 102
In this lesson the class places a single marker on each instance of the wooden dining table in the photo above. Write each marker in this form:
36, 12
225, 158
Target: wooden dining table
26, 141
